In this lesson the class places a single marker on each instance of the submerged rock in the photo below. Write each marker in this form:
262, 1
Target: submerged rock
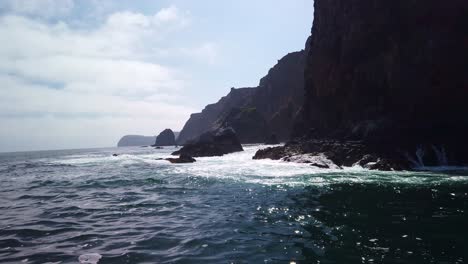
213, 143
165, 138
183, 158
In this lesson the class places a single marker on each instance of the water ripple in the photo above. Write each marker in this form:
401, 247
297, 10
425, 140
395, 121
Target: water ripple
90, 207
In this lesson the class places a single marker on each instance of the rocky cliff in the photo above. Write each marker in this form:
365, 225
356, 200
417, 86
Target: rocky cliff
256, 113
249, 124
392, 74
200, 123
135, 140
401, 64
166, 138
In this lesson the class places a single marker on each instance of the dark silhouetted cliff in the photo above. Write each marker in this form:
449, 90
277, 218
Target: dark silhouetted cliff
372, 65
200, 123
390, 74
256, 113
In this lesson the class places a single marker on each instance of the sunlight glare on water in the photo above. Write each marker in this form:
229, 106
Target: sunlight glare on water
93, 207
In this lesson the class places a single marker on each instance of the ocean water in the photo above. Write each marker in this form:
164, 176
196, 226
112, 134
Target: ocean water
86, 206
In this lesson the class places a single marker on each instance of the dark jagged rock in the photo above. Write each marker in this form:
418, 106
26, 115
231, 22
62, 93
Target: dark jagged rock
320, 165
276, 101
341, 153
213, 143
390, 74
248, 123
272, 140
280, 94
115, 155
135, 141
207, 120
165, 138
183, 158
393, 70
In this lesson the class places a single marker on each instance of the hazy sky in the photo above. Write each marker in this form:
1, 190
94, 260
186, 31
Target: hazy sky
83, 73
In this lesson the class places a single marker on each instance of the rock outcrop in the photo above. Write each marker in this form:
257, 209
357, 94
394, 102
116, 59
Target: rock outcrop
250, 126
208, 119
183, 158
274, 103
280, 94
390, 74
135, 141
212, 143
340, 153
165, 138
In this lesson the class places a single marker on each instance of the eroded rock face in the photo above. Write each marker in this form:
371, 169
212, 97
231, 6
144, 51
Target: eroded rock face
165, 138
208, 119
391, 74
280, 94
213, 143
375, 64
250, 126
274, 103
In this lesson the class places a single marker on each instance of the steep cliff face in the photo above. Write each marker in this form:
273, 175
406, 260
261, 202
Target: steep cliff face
200, 123
402, 61
249, 124
280, 94
388, 71
273, 104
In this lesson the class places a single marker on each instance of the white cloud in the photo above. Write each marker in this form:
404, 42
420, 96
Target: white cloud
106, 60
207, 52
171, 15
55, 78
41, 8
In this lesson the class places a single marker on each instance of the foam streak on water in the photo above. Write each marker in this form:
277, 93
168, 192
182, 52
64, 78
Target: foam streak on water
87, 206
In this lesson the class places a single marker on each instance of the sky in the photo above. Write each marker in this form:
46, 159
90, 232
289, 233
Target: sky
83, 73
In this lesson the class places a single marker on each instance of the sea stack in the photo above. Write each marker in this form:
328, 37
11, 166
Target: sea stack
165, 138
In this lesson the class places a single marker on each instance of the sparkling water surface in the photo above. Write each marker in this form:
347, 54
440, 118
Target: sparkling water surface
87, 206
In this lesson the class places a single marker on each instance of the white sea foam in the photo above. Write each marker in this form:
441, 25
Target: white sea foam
241, 167
92, 258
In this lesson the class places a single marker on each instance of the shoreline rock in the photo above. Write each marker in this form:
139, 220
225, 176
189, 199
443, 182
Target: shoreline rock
214, 143
327, 153
386, 73
165, 138
183, 158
